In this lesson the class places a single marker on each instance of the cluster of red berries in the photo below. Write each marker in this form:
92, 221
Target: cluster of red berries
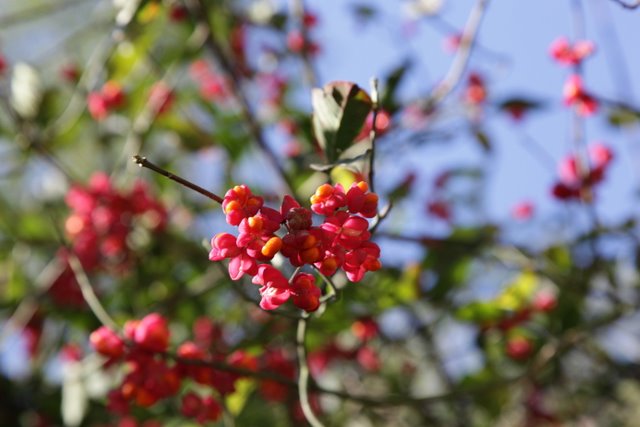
517, 345
101, 220
364, 330
296, 41
213, 86
476, 90
342, 241
110, 97
567, 54
161, 98
574, 93
153, 375
573, 180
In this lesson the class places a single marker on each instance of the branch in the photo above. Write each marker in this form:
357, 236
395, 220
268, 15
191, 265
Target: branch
44, 10
29, 305
143, 162
626, 5
142, 124
334, 295
297, 9
200, 13
463, 53
303, 373
373, 133
87, 293
28, 139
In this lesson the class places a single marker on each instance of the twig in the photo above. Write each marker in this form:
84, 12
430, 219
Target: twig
374, 130
142, 124
28, 306
334, 295
143, 162
303, 373
457, 405
89, 78
28, 139
625, 5
459, 64
297, 9
382, 214
538, 151
87, 293
200, 13
44, 10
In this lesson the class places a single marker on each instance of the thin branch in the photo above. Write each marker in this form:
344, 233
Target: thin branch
87, 293
44, 10
626, 5
90, 75
142, 124
297, 10
303, 373
199, 11
334, 295
457, 405
28, 139
143, 162
382, 214
460, 61
374, 131
29, 305
538, 152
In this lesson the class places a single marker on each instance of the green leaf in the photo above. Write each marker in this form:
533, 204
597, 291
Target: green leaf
483, 140
622, 116
391, 84
237, 400
339, 111
520, 104
478, 312
364, 12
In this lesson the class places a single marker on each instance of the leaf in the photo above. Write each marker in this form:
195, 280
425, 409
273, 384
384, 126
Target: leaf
622, 116
26, 90
364, 12
483, 140
236, 401
339, 112
478, 312
74, 397
520, 103
390, 87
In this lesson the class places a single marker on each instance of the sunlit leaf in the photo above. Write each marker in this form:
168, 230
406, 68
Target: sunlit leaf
339, 112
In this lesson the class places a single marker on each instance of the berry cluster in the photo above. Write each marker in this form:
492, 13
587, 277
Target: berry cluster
573, 180
574, 93
110, 97
364, 330
153, 374
152, 377
213, 86
518, 344
101, 220
341, 241
3, 65
298, 43
566, 54
161, 98
476, 90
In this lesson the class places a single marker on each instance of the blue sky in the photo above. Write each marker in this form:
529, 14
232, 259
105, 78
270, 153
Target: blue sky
520, 33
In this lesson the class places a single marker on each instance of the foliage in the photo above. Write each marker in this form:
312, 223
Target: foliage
383, 297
